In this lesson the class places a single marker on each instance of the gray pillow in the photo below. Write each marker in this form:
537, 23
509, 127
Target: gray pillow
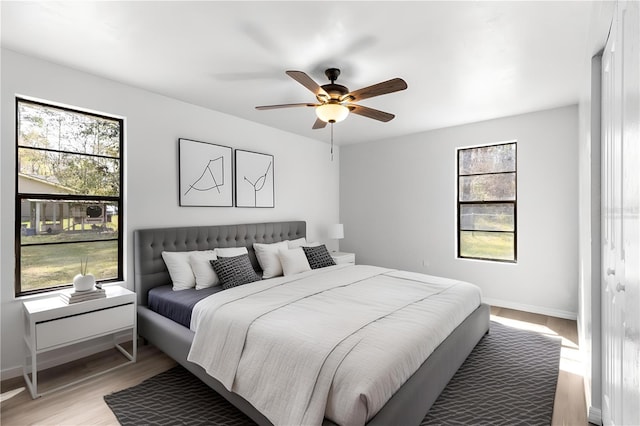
234, 271
318, 257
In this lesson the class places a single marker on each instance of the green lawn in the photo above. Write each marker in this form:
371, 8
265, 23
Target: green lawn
486, 245
57, 264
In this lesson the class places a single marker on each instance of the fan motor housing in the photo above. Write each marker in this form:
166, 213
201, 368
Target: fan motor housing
334, 90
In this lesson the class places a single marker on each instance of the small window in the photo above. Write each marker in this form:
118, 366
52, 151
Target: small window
68, 196
487, 202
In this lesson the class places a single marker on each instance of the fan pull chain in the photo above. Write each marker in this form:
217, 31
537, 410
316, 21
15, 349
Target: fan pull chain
331, 141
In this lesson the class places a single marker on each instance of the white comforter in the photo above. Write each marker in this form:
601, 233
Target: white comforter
336, 342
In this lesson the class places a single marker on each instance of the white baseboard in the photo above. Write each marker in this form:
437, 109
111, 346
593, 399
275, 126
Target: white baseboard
531, 308
10, 373
65, 356
594, 416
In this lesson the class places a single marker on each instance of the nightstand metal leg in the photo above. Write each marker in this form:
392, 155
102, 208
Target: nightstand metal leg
32, 383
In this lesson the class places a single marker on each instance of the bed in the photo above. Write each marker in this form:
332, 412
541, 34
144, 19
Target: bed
409, 403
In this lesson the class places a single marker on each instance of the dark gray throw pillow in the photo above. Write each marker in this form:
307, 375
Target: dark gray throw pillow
234, 271
318, 257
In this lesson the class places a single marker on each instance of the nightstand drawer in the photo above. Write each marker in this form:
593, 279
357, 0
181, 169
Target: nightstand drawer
79, 327
342, 257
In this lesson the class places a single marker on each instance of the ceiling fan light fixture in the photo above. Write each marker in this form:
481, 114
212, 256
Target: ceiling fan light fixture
332, 112
335, 101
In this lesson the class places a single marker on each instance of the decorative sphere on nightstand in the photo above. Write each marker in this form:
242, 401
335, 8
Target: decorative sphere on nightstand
84, 282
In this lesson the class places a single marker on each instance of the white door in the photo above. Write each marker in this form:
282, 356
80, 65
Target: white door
629, 18
611, 191
620, 227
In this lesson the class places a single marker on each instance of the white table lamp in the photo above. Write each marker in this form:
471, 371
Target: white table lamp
336, 232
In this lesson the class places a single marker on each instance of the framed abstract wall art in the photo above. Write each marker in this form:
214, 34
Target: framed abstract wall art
206, 176
254, 179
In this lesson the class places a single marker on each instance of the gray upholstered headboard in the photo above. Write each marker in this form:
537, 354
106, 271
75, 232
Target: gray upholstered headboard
150, 270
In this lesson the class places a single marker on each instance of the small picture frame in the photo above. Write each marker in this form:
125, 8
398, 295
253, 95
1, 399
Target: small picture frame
254, 179
206, 175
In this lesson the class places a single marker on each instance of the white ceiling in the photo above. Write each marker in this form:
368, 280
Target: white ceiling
463, 61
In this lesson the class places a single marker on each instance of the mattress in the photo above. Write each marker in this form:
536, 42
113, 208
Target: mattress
288, 339
177, 305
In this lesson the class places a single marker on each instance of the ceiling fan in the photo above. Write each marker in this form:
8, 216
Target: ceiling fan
335, 101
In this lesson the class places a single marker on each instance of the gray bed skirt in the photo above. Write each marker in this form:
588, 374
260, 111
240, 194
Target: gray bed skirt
407, 406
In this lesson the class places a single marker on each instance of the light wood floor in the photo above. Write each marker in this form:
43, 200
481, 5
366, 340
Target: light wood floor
569, 406
83, 404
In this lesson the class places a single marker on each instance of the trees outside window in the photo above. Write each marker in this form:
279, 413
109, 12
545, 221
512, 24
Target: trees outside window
68, 195
487, 202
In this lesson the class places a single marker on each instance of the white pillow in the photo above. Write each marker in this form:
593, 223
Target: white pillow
202, 269
230, 251
179, 269
297, 242
267, 255
313, 244
293, 261
302, 242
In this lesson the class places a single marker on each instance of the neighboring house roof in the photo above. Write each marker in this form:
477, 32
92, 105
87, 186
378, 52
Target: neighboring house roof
36, 184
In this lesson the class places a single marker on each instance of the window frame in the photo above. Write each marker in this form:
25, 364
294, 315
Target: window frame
19, 197
514, 202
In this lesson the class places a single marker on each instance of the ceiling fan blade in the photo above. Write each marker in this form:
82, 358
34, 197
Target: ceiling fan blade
307, 82
319, 124
389, 86
370, 113
286, 106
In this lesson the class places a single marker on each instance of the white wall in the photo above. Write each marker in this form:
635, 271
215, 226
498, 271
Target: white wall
306, 180
398, 206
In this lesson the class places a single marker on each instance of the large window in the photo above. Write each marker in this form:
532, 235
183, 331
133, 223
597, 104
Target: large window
68, 196
487, 202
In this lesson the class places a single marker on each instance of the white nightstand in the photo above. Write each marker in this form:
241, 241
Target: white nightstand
51, 324
342, 257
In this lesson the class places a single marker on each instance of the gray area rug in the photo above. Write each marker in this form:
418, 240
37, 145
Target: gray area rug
508, 379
